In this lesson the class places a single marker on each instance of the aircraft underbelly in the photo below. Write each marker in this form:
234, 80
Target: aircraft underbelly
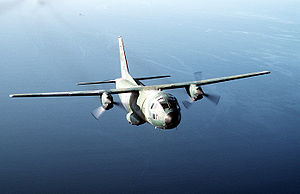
129, 100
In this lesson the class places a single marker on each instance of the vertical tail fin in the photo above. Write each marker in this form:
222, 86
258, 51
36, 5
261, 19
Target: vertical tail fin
124, 65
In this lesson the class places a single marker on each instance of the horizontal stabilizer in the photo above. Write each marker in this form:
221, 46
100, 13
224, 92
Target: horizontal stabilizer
152, 77
96, 82
113, 81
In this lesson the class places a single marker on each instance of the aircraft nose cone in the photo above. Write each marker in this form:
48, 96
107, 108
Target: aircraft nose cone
172, 119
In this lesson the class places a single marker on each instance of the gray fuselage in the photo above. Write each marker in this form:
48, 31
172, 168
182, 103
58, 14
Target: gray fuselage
156, 107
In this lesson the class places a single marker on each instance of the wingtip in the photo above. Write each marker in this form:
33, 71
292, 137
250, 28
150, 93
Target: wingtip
264, 72
11, 95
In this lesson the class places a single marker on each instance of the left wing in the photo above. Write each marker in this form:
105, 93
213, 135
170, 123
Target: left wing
139, 88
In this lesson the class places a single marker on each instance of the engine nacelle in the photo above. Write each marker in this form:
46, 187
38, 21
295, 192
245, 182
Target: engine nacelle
107, 101
134, 119
195, 92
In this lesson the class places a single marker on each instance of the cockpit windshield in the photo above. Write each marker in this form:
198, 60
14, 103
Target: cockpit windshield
165, 105
168, 102
171, 103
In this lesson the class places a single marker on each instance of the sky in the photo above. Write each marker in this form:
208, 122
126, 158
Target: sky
249, 143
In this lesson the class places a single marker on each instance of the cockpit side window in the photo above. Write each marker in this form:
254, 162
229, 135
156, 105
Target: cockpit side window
152, 105
154, 116
166, 103
171, 103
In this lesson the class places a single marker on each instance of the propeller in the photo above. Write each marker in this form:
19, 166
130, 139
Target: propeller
211, 97
98, 112
188, 103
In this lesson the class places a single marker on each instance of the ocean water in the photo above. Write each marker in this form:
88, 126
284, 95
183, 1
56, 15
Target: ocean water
250, 142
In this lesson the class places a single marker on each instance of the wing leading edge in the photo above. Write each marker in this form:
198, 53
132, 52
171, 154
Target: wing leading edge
77, 93
140, 88
207, 81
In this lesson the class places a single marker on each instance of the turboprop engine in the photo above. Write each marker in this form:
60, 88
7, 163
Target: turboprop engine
195, 92
107, 101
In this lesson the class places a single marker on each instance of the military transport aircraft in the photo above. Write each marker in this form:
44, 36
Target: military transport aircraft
144, 103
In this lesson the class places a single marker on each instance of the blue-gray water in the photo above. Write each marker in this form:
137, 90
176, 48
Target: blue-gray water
250, 142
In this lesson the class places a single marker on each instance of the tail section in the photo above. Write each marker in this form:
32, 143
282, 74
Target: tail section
124, 65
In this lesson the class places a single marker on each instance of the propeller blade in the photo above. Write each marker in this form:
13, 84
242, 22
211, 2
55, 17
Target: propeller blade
212, 97
98, 112
198, 76
187, 103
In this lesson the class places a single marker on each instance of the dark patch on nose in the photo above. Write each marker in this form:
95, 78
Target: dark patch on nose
172, 119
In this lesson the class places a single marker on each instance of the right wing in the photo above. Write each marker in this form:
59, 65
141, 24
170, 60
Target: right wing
76, 93
59, 94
